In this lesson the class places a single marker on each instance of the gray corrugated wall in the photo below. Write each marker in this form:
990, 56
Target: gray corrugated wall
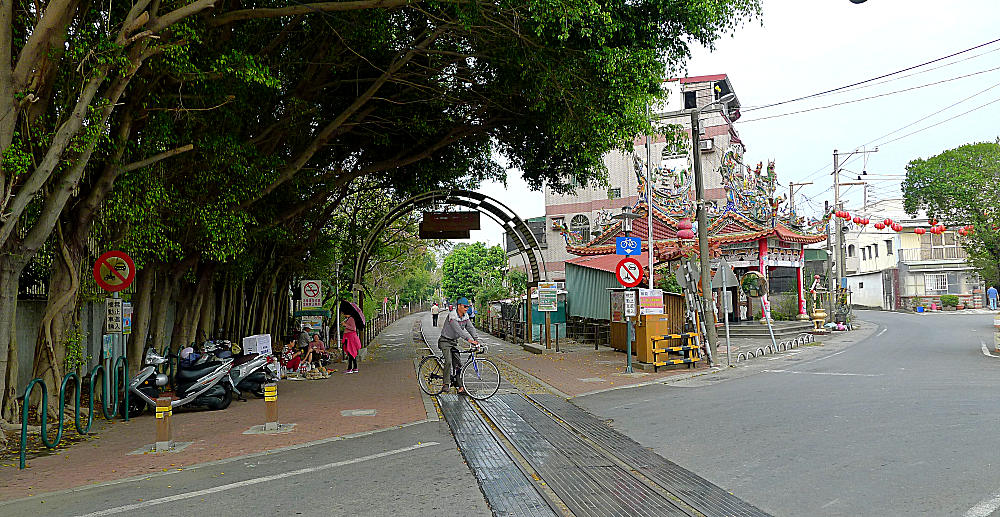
587, 292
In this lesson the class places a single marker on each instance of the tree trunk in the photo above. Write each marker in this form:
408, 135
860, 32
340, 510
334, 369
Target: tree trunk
141, 316
182, 312
158, 327
206, 322
10, 271
61, 319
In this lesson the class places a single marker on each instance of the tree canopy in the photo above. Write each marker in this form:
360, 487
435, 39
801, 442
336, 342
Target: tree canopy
959, 187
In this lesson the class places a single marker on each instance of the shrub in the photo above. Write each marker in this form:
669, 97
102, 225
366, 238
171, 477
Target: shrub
949, 300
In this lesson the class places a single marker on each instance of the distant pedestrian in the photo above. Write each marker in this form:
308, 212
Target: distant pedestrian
351, 342
304, 338
991, 293
435, 310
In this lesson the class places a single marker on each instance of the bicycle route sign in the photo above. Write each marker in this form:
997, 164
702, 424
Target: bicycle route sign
628, 246
629, 272
312, 294
114, 271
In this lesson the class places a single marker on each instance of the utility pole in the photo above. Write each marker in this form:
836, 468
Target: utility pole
649, 195
830, 280
706, 269
791, 193
841, 262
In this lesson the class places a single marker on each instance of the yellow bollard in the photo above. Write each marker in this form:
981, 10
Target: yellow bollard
164, 427
271, 407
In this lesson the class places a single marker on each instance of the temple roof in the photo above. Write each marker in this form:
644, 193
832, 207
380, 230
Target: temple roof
728, 228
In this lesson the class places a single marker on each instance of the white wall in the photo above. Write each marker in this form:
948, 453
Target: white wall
866, 290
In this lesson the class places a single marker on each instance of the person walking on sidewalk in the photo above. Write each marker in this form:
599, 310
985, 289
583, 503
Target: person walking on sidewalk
351, 343
456, 325
991, 293
435, 310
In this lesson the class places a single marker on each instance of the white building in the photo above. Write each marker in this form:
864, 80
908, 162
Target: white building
578, 217
891, 270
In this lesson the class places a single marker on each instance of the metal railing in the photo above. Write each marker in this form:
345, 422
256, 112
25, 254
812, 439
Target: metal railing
926, 254
380, 321
120, 365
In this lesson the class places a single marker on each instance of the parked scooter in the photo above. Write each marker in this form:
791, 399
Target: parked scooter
197, 384
250, 371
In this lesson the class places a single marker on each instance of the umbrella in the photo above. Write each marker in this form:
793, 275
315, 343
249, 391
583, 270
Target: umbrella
351, 309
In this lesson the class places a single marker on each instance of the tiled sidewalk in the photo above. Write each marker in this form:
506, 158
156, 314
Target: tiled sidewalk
576, 370
321, 409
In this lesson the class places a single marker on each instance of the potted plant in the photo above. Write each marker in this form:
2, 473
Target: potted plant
949, 301
918, 304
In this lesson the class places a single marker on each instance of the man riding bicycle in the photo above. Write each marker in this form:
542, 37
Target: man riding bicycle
457, 324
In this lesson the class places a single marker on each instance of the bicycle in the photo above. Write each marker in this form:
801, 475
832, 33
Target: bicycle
480, 376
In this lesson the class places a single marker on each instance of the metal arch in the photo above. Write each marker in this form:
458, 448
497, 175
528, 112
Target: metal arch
502, 214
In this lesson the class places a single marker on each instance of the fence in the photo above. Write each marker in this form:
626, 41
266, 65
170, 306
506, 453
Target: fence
120, 365
380, 321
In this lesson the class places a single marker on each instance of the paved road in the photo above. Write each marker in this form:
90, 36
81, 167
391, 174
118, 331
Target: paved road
903, 423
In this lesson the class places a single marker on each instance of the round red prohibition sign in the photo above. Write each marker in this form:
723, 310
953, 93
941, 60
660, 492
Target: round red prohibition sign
311, 289
114, 271
629, 272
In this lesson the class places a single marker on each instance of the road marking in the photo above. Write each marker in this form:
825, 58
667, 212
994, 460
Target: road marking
985, 507
829, 356
839, 374
986, 351
881, 332
830, 503
267, 479
784, 355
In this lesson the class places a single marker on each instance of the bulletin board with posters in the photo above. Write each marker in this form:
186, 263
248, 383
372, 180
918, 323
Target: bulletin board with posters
650, 301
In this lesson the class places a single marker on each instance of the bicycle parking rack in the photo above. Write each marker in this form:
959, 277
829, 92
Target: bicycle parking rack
782, 346
120, 364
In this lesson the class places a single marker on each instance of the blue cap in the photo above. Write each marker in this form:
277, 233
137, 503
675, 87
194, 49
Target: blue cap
463, 301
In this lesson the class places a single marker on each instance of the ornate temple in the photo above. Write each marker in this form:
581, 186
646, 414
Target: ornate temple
752, 228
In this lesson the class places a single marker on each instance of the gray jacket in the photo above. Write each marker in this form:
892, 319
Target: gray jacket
455, 327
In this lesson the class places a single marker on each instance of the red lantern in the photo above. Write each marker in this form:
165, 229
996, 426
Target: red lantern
866, 221
942, 228
684, 229
847, 215
962, 232
857, 220
887, 222
932, 222
879, 226
919, 231
897, 227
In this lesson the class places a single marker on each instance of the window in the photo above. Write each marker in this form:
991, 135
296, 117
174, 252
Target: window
861, 285
580, 223
888, 246
936, 283
558, 223
850, 250
614, 193
944, 246
690, 100
864, 253
875, 249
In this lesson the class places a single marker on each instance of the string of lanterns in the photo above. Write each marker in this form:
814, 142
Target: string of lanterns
936, 227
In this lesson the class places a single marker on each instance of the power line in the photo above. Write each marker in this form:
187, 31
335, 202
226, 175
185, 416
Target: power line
941, 122
871, 96
907, 69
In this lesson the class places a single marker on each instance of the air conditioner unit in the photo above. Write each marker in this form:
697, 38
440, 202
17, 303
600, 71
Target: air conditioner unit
705, 145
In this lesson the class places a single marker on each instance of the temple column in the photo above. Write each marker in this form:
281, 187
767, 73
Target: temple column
762, 261
802, 295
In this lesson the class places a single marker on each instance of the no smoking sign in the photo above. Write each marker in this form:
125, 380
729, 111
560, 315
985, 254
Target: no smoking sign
114, 271
312, 294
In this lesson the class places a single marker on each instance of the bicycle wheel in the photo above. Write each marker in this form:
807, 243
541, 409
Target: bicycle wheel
430, 375
481, 378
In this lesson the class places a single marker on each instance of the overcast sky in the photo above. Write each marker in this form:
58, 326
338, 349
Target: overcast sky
807, 47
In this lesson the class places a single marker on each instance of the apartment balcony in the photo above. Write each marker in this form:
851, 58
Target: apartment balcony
932, 255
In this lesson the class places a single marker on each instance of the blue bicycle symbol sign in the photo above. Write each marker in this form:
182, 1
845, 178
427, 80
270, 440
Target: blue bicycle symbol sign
628, 245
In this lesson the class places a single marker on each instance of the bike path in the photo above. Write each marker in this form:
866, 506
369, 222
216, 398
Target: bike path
384, 391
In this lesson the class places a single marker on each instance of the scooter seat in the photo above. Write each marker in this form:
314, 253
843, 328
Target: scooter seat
244, 359
195, 373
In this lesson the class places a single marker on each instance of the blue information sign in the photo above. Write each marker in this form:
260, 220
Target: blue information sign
628, 245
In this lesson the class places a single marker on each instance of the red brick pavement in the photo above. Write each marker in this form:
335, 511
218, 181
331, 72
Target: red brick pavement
314, 406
